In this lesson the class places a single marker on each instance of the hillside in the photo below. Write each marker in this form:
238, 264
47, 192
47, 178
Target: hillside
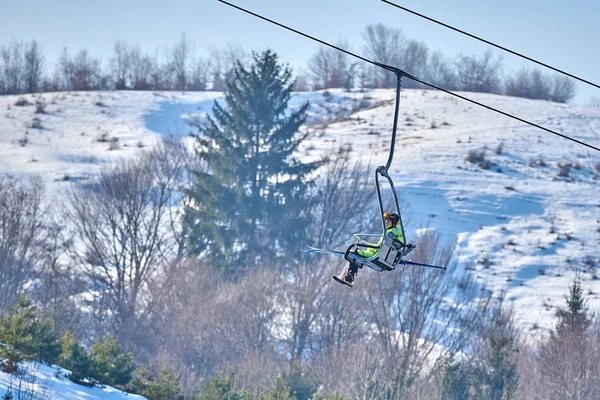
521, 225
38, 381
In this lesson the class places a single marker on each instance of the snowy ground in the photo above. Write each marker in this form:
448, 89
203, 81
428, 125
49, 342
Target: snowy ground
519, 226
46, 382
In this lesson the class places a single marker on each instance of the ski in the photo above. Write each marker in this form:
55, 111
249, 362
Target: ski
317, 250
414, 264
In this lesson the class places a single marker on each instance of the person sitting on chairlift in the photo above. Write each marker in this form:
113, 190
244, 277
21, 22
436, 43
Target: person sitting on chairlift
391, 222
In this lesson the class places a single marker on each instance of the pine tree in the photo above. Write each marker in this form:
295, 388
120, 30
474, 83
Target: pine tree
165, 388
110, 364
497, 372
75, 359
280, 392
249, 204
18, 333
298, 383
491, 372
26, 336
220, 388
456, 381
47, 345
568, 357
575, 317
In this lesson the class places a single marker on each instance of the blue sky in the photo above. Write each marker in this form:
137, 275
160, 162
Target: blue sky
560, 33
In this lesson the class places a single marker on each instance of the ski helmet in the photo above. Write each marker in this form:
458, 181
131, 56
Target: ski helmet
395, 218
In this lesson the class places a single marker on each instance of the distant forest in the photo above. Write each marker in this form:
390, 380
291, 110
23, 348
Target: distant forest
23, 69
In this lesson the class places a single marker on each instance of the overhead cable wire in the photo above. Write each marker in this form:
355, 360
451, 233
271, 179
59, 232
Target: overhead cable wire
398, 71
490, 43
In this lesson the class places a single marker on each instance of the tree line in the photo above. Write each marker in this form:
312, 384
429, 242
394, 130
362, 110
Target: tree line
191, 261
22, 69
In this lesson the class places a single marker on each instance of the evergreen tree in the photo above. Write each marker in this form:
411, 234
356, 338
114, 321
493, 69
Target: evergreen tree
491, 372
26, 336
568, 357
18, 333
75, 359
248, 205
496, 373
165, 388
456, 382
110, 364
220, 388
47, 345
280, 392
300, 386
575, 317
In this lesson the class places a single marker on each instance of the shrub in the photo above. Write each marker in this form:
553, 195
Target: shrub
36, 123
24, 140
475, 156
103, 138
499, 148
485, 164
362, 103
565, 169
40, 108
114, 144
21, 102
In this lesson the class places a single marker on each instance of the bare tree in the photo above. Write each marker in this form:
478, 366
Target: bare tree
180, 56
34, 64
331, 68
302, 82
384, 45
346, 188
58, 283
81, 72
120, 65
519, 84
127, 232
181, 323
479, 74
141, 69
198, 75
321, 68
414, 61
440, 72
12, 68
21, 230
63, 70
221, 64
204, 325
564, 89
533, 84
417, 330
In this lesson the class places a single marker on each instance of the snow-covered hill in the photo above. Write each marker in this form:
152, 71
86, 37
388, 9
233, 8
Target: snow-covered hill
39, 381
520, 226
